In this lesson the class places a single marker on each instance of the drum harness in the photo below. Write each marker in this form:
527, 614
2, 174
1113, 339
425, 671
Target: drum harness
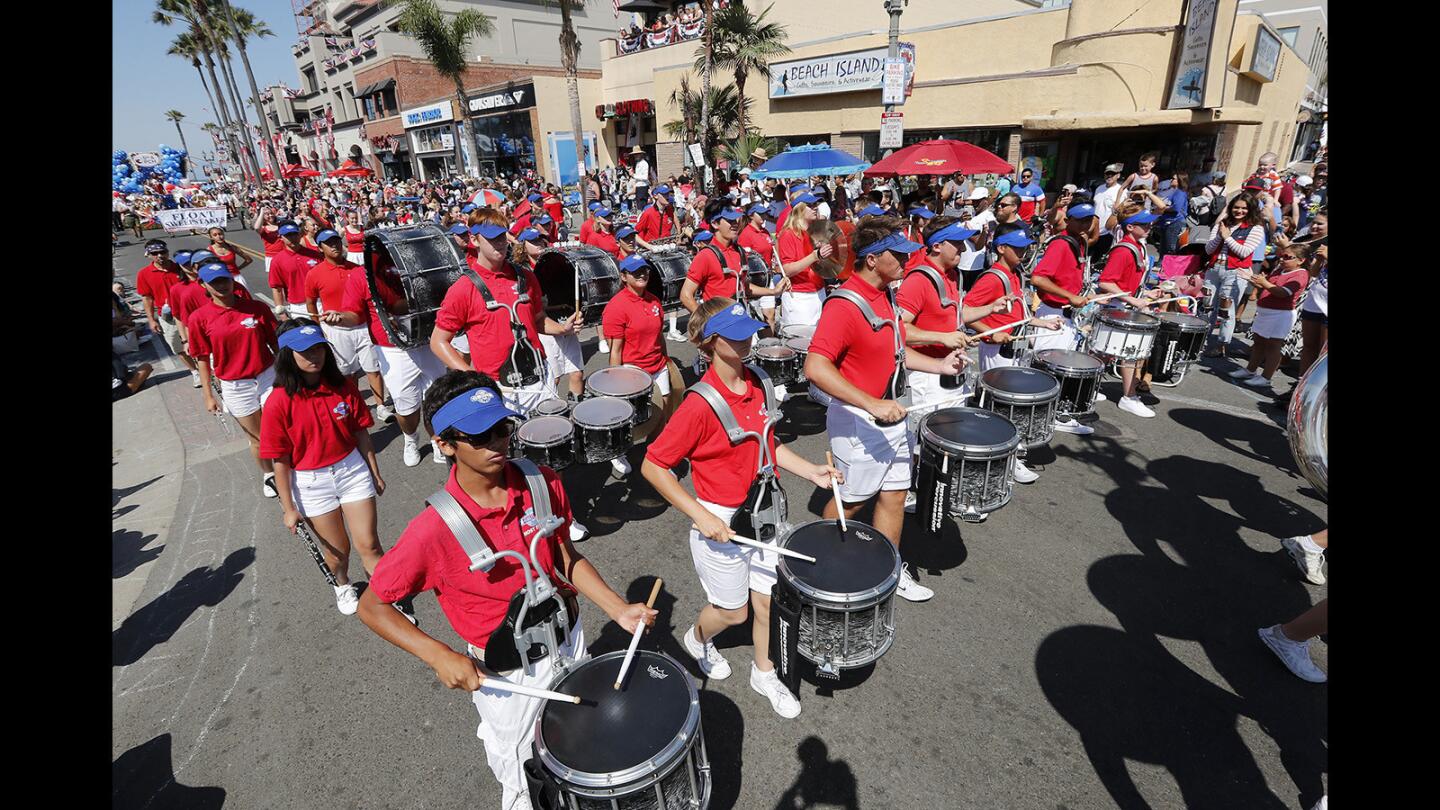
1007, 350
540, 614
1142, 260
763, 516
946, 380
515, 373
898, 387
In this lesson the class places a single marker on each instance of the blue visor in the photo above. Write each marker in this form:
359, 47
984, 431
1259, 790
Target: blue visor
592, 206
535, 198
214, 270
625, 232
472, 412
1016, 239
183, 257
922, 212
953, 232
661, 191
289, 228
488, 231
632, 264
702, 236
302, 338
807, 198
760, 208
1080, 211
1142, 218
541, 219
200, 256
458, 229
467, 208
726, 213
895, 241
799, 187
325, 236
732, 323
873, 210
602, 213
530, 235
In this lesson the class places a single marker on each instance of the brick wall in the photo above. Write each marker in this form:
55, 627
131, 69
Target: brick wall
853, 144
1012, 154
669, 158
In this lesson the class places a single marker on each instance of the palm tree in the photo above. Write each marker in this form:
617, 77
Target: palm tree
186, 46
243, 26
177, 117
569, 59
723, 105
445, 45
170, 12
739, 150
744, 43
706, 137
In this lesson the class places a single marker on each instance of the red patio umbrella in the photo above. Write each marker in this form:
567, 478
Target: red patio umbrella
940, 157
351, 169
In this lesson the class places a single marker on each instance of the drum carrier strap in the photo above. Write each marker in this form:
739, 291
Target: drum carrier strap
899, 382
1141, 260
742, 288
1007, 350
512, 373
764, 512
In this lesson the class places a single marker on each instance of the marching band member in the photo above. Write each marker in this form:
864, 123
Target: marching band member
589, 224
153, 283
1126, 266
754, 237
351, 345
314, 429
801, 303
235, 336
858, 356
632, 322
466, 411
724, 474
233, 259
602, 236
793, 194
288, 269
566, 360
919, 216
1059, 278
657, 220
707, 275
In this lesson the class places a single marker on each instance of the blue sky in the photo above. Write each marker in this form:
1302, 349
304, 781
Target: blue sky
146, 82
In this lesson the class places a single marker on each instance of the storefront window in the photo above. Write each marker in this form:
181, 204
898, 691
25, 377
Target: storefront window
433, 139
506, 142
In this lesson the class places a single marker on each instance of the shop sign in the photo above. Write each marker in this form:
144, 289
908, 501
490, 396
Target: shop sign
1187, 91
519, 98
1265, 56
427, 115
639, 106
838, 73
892, 130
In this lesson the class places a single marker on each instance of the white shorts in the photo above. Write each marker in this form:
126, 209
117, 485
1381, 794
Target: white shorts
1273, 323
1062, 338
352, 347
407, 374
240, 279
926, 395
523, 400
355, 258
563, 354
990, 357
322, 491
800, 308
267, 266
461, 342
299, 311
662, 379
765, 302
507, 720
729, 571
872, 458
246, 396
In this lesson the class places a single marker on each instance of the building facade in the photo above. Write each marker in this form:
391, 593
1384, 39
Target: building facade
1304, 26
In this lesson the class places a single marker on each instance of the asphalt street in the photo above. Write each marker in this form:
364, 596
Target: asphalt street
1093, 644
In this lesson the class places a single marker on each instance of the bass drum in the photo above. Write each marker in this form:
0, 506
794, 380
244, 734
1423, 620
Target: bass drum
668, 266
409, 270
757, 268
599, 276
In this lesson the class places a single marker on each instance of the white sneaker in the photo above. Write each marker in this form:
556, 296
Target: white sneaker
1258, 381
1241, 374
267, 487
435, 454
676, 337
621, 466
194, 379
1323, 804
412, 451
1023, 474
382, 413
346, 599
1068, 425
578, 532
1310, 564
910, 501
1294, 654
603, 346
1099, 397
909, 589
769, 685
781, 393
1135, 406
712, 663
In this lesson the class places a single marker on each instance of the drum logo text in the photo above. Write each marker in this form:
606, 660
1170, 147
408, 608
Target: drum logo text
657, 673
863, 535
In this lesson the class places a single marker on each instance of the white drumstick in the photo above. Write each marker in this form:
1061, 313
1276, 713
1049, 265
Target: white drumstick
745, 541
990, 332
1176, 298
635, 639
499, 685
835, 487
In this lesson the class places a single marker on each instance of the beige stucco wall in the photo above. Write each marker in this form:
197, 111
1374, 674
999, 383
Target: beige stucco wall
552, 104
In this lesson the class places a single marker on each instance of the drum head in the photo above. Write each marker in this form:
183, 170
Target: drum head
1066, 360
858, 561
799, 330
1129, 318
613, 731
551, 407
546, 430
1029, 383
618, 381
603, 412
775, 352
962, 429
1186, 323
801, 345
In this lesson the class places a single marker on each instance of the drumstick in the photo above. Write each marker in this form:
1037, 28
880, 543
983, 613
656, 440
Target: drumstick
835, 487
1176, 298
499, 685
745, 541
635, 639
989, 332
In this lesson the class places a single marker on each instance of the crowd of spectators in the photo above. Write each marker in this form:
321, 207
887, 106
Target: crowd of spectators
685, 23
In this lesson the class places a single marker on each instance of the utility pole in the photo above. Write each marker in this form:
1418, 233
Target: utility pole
894, 8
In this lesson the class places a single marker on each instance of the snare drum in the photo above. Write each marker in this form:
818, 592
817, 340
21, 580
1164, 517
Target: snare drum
781, 362
1177, 345
846, 597
798, 336
551, 407
602, 429
548, 440
641, 746
966, 456
1123, 335
1079, 375
623, 382
1025, 396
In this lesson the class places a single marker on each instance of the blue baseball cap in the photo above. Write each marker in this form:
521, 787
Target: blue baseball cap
726, 213
1142, 218
733, 323
458, 229
702, 236
214, 270
602, 213
289, 228
302, 338
201, 256
472, 412
530, 235
467, 208
535, 196
325, 236
953, 232
1016, 238
922, 212
1080, 210
807, 198
625, 232
872, 210
488, 231
183, 257
661, 191
633, 263
801, 186
760, 208
895, 241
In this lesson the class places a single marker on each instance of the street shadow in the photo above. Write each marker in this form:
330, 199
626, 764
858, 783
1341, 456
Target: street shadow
826, 687
821, 781
725, 747
936, 553
157, 621
803, 417
598, 500
1246, 437
128, 552
662, 637
119, 494
144, 776
383, 433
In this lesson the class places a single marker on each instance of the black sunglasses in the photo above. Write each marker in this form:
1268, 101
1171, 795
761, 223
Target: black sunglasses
500, 430
902, 258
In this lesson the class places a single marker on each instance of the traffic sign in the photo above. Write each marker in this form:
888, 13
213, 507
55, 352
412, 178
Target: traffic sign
892, 130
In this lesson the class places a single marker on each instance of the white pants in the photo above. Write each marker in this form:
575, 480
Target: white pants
563, 354
800, 308
927, 395
729, 571
523, 400
662, 379
352, 347
1062, 338
323, 490
408, 374
870, 456
246, 396
507, 720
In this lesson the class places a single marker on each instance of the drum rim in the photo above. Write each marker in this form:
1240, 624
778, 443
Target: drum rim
565, 410
788, 331
984, 452
623, 421
797, 349
607, 370
783, 358
1138, 326
633, 778
1014, 398
848, 602
1072, 371
1202, 326
569, 438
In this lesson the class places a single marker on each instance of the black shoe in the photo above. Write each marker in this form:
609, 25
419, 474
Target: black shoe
406, 607
267, 487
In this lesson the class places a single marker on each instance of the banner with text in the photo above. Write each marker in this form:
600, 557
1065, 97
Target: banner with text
187, 219
838, 73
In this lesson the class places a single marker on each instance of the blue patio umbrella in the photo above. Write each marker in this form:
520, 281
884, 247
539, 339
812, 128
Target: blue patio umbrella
809, 160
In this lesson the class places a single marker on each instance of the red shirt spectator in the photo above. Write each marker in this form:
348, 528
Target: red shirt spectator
320, 423
865, 357
155, 281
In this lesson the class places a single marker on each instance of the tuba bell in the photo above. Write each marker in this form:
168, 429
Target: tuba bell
1307, 424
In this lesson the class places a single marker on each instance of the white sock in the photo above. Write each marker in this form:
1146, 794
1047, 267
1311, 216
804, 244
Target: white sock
409, 439
1309, 545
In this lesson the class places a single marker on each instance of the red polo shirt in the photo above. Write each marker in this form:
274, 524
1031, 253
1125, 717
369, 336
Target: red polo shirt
653, 225
722, 473
240, 340
918, 296
188, 296
866, 358
988, 290
156, 283
1121, 269
288, 270
357, 299
316, 427
605, 240
1061, 266
714, 281
326, 281
428, 557
586, 228
794, 247
489, 330
1290, 285
784, 215
637, 321
758, 241
270, 235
